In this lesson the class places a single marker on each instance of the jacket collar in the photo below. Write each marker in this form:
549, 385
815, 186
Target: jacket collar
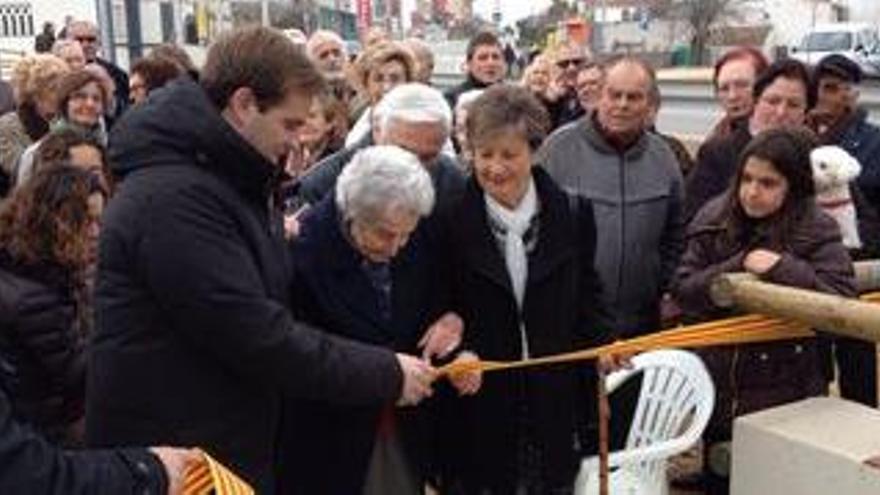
599, 142
481, 251
344, 263
179, 124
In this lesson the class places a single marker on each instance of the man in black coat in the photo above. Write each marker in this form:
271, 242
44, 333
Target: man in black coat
194, 342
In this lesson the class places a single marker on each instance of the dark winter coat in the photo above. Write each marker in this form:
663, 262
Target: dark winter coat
195, 343
717, 161
756, 376
328, 446
44, 375
29, 464
318, 181
468, 84
862, 140
561, 312
120, 94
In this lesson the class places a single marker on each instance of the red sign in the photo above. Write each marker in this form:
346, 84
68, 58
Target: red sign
364, 13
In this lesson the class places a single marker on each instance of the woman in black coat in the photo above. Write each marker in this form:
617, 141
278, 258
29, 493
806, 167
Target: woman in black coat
364, 270
522, 279
48, 236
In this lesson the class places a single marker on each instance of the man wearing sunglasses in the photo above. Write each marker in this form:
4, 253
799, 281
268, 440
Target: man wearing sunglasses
568, 58
86, 34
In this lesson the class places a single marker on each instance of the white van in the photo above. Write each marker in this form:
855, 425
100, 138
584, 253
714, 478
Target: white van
858, 42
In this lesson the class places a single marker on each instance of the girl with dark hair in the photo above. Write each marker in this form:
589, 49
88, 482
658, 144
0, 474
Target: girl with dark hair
78, 149
48, 238
767, 224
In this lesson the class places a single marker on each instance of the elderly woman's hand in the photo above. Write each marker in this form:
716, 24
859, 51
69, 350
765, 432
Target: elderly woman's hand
443, 337
468, 382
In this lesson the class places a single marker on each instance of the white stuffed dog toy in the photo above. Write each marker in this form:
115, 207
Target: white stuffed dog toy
833, 171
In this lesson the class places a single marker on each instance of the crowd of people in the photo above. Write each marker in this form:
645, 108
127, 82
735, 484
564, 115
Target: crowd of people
269, 257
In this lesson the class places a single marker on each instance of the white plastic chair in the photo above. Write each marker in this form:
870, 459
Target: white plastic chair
677, 391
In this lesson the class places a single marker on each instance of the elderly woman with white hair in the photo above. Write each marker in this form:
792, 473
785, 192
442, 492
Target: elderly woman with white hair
327, 50
360, 271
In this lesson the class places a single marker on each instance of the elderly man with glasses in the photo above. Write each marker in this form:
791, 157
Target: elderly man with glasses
565, 107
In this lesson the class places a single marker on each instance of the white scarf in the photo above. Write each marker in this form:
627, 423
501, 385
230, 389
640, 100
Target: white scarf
516, 222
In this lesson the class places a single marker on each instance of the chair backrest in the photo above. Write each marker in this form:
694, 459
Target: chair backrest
677, 391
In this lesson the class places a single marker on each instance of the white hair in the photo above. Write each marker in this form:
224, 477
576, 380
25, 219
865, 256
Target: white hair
414, 103
468, 97
382, 177
322, 36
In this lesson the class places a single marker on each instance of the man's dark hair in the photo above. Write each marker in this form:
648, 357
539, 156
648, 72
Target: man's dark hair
482, 38
156, 72
261, 59
789, 69
178, 55
788, 151
838, 66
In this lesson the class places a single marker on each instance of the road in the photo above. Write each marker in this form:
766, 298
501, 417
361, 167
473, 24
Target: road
689, 109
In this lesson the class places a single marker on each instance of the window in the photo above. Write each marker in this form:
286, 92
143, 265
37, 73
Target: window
828, 42
16, 20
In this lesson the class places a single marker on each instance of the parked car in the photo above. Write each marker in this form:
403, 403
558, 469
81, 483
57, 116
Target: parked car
858, 42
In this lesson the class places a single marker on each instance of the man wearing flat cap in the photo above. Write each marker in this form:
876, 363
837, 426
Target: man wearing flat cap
839, 121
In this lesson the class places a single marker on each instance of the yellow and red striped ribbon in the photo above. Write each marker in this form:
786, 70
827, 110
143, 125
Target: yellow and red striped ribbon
210, 477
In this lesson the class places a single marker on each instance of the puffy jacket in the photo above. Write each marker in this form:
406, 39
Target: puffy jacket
44, 365
29, 464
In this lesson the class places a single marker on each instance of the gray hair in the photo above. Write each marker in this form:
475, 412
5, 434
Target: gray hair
414, 103
468, 97
323, 36
383, 177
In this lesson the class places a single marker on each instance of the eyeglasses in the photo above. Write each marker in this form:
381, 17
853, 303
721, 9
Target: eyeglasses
86, 39
574, 62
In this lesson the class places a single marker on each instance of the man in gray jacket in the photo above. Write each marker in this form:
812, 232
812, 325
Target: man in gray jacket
634, 183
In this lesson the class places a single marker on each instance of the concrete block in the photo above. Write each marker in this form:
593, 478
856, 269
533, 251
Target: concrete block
813, 447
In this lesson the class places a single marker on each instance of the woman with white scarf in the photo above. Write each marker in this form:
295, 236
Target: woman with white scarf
522, 278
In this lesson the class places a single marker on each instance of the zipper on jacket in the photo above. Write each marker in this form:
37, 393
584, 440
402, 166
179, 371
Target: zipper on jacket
622, 187
734, 393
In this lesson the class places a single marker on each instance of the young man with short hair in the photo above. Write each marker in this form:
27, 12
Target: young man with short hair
192, 298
